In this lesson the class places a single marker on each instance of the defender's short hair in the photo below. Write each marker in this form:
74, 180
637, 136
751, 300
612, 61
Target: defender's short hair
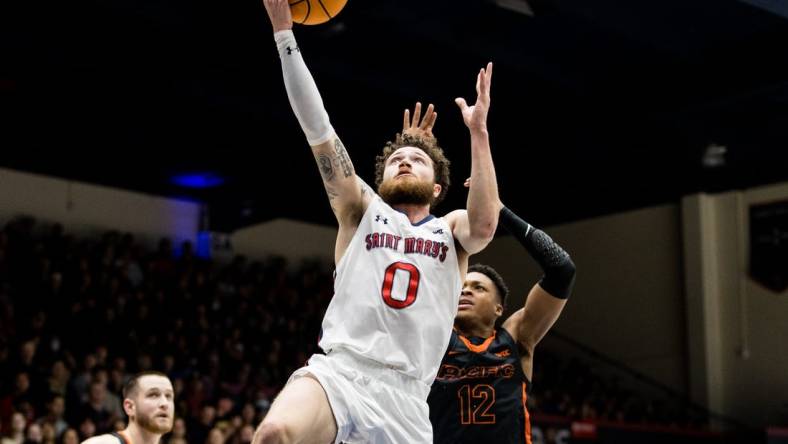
132, 384
500, 285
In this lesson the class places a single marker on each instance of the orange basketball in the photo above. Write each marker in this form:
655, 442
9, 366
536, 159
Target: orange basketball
315, 12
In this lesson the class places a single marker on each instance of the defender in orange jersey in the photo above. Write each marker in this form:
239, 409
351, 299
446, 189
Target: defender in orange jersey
480, 392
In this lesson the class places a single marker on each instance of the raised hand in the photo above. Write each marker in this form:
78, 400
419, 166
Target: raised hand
475, 116
279, 14
421, 128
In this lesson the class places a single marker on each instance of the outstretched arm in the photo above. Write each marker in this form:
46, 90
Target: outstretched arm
475, 228
346, 192
548, 297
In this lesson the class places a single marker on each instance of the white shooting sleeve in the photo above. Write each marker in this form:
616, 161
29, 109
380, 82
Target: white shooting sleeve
302, 91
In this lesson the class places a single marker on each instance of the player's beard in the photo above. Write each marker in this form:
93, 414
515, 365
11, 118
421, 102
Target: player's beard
150, 424
406, 190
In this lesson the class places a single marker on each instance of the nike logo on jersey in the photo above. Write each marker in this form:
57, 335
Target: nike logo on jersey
378, 218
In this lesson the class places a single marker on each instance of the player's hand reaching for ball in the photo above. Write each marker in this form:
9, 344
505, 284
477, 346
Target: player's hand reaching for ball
475, 116
279, 13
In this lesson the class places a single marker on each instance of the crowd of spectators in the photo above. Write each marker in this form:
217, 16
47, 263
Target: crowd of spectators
78, 316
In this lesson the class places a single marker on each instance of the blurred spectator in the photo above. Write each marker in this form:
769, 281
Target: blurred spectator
20, 399
87, 429
215, 436
95, 409
58, 378
33, 434
178, 435
48, 435
16, 431
55, 416
70, 436
198, 431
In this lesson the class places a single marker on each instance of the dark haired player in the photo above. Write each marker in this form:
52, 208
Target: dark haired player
480, 393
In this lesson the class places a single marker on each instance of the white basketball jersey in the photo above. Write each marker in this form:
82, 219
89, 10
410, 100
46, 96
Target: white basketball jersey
396, 292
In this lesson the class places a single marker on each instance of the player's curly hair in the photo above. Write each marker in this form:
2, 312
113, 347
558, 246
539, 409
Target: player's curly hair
500, 285
429, 145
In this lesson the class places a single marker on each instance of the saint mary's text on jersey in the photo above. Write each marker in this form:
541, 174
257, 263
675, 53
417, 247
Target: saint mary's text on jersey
411, 245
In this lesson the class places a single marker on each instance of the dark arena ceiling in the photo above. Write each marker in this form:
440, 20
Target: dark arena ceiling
597, 106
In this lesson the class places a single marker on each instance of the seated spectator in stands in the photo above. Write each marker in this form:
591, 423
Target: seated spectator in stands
96, 408
70, 436
198, 430
33, 434
56, 408
48, 435
16, 431
58, 379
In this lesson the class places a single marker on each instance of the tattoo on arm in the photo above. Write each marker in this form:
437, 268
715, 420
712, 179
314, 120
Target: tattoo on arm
343, 159
332, 194
365, 188
329, 164
326, 168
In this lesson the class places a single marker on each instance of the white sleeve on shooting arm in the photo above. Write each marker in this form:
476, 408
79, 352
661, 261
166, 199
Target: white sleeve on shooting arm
302, 91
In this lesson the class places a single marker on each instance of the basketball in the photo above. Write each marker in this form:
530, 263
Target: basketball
315, 12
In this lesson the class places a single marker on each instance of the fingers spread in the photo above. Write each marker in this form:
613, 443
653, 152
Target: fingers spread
426, 122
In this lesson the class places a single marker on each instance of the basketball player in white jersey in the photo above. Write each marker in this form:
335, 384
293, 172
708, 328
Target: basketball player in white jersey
148, 400
399, 271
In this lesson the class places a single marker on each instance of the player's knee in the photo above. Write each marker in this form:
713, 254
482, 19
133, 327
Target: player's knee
273, 431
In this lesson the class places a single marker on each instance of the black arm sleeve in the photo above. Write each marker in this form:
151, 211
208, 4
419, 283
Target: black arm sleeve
558, 268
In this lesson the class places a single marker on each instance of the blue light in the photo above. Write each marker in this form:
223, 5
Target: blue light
204, 244
205, 179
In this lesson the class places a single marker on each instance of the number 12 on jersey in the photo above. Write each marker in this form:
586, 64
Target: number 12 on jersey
475, 404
